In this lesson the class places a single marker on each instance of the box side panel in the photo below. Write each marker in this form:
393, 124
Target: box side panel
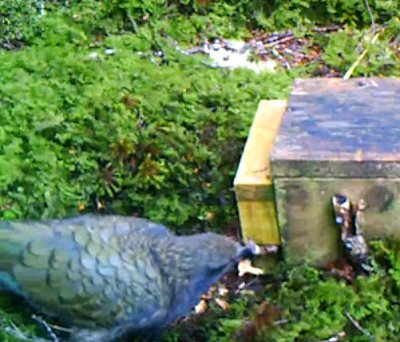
335, 168
306, 219
253, 184
258, 221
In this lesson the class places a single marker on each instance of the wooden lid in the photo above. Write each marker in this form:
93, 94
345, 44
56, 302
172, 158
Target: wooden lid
340, 128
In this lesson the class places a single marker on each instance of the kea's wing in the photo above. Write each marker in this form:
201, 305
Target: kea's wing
84, 269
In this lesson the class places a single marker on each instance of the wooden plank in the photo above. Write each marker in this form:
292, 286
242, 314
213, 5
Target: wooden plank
253, 183
305, 214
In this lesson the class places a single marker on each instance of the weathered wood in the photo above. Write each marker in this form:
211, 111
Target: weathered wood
341, 129
253, 183
306, 216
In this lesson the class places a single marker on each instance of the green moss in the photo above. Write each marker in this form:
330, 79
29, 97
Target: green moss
314, 306
125, 130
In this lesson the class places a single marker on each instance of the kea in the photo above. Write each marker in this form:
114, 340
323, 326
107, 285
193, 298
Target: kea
111, 277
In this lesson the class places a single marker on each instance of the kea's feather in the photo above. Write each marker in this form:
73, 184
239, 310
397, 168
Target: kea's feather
110, 275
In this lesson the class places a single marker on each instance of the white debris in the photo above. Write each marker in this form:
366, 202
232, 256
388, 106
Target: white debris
232, 59
245, 267
201, 307
222, 290
109, 52
231, 54
235, 45
94, 55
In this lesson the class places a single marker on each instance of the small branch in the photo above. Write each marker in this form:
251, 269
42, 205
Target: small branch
42, 11
326, 29
280, 41
12, 329
249, 284
349, 72
358, 326
16, 332
132, 22
335, 338
281, 36
49, 331
396, 41
280, 322
370, 15
280, 57
63, 329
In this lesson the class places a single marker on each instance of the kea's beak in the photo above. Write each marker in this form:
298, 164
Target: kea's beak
248, 251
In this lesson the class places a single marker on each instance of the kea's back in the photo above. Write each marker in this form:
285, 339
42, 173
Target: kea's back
91, 271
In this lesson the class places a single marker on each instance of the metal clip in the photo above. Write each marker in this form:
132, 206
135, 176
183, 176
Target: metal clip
348, 217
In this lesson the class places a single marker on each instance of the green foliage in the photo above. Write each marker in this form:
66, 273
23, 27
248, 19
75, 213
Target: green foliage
345, 47
19, 21
286, 14
315, 306
229, 16
125, 130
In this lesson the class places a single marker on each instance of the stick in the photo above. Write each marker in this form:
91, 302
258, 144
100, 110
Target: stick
42, 12
349, 72
17, 333
50, 331
396, 41
278, 55
281, 322
358, 326
326, 29
63, 329
336, 337
273, 37
281, 40
370, 15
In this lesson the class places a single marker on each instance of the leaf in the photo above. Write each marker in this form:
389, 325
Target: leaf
50, 123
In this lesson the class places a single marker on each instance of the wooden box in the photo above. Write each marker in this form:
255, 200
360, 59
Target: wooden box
337, 136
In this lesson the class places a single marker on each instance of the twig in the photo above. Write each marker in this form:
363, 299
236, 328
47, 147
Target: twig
281, 322
280, 41
250, 283
49, 331
42, 11
326, 29
132, 22
370, 15
358, 326
280, 57
210, 65
278, 36
17, 333
243, 286
396, 41
349, 72
63, 329
336, 337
